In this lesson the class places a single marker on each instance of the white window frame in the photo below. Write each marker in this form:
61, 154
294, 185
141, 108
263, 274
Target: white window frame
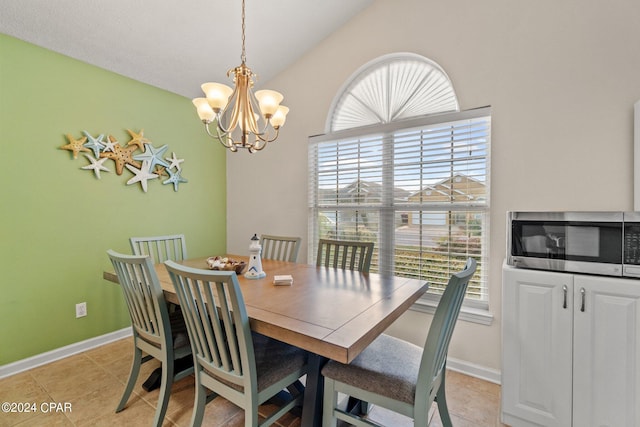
473, 310
395, 91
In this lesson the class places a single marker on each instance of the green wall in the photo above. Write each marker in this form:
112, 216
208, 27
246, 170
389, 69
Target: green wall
57, 220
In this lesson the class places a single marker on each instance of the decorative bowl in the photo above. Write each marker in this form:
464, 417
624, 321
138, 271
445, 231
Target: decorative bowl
226, 264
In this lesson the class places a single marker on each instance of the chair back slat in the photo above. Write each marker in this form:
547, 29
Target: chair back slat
444, 320
195, 295
280, 248
160, 248
143, 295
228, 342
348, 255
214, 310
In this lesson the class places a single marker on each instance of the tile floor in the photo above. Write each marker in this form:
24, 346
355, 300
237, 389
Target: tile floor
84, 390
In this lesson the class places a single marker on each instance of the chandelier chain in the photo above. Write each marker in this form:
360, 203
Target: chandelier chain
243, 57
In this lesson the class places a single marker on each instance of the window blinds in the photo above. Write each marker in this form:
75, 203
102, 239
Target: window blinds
418, 188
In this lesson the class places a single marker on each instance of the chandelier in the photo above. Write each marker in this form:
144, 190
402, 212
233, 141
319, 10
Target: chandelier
242, 119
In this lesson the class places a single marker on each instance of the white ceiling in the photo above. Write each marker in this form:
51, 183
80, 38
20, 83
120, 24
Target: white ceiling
177, 45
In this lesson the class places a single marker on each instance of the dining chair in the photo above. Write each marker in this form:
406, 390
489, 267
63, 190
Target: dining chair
345, 254
396, 374
160, 248
160, 335
243, 367
280, 248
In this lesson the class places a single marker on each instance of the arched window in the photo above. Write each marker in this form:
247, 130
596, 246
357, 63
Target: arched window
400, 165
391, 88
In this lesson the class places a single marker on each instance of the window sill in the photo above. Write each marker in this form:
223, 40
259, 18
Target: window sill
468, 314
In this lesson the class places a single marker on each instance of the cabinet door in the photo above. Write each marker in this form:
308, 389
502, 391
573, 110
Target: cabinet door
537, 347
606, 352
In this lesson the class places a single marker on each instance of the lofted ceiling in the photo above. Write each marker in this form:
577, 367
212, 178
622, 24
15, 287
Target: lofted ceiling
173, 45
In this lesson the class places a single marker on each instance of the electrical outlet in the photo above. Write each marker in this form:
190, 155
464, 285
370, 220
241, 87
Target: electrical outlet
81, 309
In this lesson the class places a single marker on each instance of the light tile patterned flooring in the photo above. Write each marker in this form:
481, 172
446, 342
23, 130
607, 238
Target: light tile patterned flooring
91, 383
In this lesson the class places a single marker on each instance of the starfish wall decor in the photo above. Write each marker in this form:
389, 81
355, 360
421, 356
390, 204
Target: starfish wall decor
139, 156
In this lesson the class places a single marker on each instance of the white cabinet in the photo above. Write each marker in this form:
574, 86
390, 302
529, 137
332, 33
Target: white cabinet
606, 352
537, 347
571, 349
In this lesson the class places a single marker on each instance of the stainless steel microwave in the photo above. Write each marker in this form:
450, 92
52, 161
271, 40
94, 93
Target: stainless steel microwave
605, 243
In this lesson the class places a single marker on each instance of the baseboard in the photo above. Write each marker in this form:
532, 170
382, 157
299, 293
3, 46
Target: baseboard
62, 352
9, 369
473, 370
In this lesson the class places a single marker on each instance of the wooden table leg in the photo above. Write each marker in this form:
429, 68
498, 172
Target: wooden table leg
313, 393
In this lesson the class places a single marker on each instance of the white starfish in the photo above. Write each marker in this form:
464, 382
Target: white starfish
109, 144
142, 175
175, 162
96, 165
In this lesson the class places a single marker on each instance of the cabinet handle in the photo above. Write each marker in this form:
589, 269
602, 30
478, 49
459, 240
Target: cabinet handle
582, 293
564, 292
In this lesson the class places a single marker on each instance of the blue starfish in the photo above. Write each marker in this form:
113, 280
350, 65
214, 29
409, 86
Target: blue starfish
153, 156
94, 144
174, 178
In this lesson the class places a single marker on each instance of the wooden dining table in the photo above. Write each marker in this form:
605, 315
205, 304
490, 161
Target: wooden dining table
331, 313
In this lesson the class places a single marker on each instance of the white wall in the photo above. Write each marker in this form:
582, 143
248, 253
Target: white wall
562, 78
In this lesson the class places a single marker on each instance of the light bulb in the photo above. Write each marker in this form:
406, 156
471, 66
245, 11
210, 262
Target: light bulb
217, 95
269, 101
205, 112
279, 117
